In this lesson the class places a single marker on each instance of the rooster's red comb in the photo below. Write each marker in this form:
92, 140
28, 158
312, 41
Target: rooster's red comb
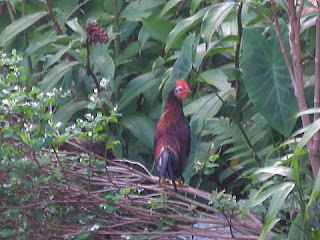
182, 83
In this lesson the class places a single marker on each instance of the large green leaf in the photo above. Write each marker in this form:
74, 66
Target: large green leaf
56, 74
135, 87
103, 64
140, 126
213, 18
266, 78
183, 26
182, 66
18, 26
157, 28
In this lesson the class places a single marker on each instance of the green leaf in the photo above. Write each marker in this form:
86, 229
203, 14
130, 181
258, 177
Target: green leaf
18, 26
56, 74
101, 165
168, 6
54, 58
124, 191
261, 195
216, 78
275, 170
131, 50
275, 205
8, 133
37, 45
104, 65
66, 112
311, 130
141, 127
213, 18
158, 29
182, 66
143, 37
266, 78
137, 10
214, 47
296, 228
194, 5
135, 87
76, 27
183, 26
157, 64
315, 193
208, 109
83, 236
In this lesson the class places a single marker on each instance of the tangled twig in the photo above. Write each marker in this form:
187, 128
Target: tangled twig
124, 199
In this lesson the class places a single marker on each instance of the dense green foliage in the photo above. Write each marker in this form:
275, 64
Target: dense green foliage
71, 83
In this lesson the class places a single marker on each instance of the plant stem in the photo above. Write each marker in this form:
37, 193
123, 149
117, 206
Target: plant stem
295, 72
89, 70
49, 10
26, 41
62, 169
10, 11
315, 150
237, 54
116, 27
294, 39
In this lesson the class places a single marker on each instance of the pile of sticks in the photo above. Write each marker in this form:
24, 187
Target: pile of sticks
119, 199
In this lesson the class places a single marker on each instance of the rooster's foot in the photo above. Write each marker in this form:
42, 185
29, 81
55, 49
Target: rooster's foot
164, 181
179, 183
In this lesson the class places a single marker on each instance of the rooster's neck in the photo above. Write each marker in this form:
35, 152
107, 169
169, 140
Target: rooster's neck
173, 104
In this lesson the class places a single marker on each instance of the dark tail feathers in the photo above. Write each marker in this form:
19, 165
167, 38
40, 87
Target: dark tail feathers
165, 162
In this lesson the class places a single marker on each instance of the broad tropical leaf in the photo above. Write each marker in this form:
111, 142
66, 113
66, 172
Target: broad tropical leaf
266, 78
103, 64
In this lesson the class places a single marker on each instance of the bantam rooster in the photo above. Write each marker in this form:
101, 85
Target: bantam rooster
172, 136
